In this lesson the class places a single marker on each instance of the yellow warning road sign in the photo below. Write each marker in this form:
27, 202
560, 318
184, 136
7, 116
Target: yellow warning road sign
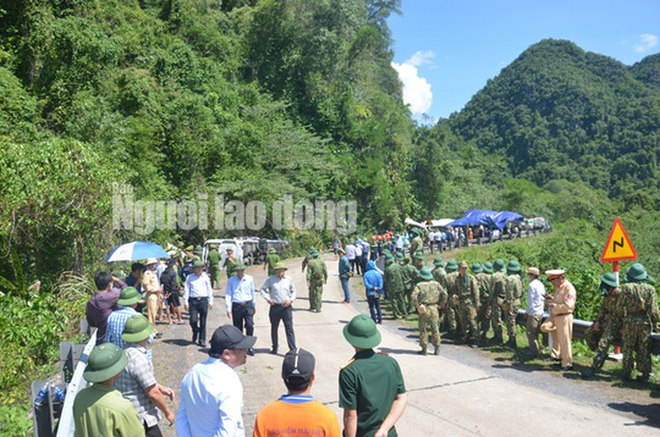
618, 247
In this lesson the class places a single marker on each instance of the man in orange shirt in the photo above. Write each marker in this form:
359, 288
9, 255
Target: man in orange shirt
297, 414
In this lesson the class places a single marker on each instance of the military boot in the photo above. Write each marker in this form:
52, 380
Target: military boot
437, 350
422, 351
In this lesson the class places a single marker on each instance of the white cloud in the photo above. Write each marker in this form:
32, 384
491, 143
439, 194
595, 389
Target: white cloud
416, 90
645, 43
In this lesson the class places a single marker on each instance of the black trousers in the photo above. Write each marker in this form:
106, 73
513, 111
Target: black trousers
242, 315
199, 309
277, 313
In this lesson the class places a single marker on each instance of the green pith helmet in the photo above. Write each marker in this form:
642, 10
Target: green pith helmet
314, 253
609, 279
128, 296
239, 266
389, 260
399, 256
513, 266
105, 361
189, 248
637, 272
213, 246
280, 266
439, 262
198, 263
451, 266
488, 267
272, 251
137, 329
498, 265
198, 250
477, 268
419, 255
425, 274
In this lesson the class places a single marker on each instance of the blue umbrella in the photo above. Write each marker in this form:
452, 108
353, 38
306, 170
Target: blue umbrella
135, 251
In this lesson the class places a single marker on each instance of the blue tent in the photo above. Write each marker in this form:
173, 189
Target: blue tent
497, 219
500, 219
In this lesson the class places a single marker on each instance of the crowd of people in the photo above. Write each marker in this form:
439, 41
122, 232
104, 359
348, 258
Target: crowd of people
466, 302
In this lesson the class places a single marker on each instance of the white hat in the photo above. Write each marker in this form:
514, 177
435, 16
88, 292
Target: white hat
552, 274
151, 261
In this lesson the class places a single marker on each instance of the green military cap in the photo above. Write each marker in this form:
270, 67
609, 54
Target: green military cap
179, 244
314, 253
498, 265
477, 268
272, 250
425, 274
637, 272
239, 265
389, 260
361, 332
513, 266
406, 260
198, 249
488, 267
105, 361
213, 246
399, 256
191, 247
439, 262
609, 279
386, 252
463, 265
419, 255
128, 296
280, 266
136, 329
198, 263
451, 266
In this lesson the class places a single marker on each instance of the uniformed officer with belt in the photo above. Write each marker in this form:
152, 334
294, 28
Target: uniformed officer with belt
198, 295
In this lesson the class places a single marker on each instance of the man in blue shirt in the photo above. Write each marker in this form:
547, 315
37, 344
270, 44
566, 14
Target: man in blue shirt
344, 274
240, 301
373, 285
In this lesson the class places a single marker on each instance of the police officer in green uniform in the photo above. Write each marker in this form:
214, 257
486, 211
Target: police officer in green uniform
230, 263
371, 388
513, 291
429, 298
317, 276
466, 297
214, 266
271, 259
394, 288
497, 299
189, 256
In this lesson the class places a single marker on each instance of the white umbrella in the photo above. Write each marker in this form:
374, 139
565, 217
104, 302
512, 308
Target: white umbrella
135, 251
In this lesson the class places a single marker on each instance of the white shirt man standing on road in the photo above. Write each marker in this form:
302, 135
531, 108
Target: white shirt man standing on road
211, 392
534, 310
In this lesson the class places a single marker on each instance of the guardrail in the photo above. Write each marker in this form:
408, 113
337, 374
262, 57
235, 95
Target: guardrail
581, 326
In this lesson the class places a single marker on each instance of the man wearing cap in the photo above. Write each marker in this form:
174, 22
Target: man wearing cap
214, 266
128, 300
534, 310
271, 259
429, 298
416, 245
466, 298
230, 263
498, 296
152, 289
278, 290
371, 388
138, 383
101, 410
409, 273
449, 284
101, 305
317, 276
394, 288
485, 281
438, 269
344, 275
607, 325
240, 301
513, 291
297, 410
211, 397
198, 295
560, 323
638, 307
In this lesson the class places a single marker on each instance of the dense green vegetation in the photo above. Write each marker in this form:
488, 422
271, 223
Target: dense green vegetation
260, 98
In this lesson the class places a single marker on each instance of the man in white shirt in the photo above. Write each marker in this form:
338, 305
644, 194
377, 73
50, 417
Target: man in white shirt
279, 292
211, 399
350, 254
198, 294
534, 310
240, 302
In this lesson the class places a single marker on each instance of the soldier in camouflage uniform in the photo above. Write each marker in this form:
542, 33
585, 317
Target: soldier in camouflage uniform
448, 283
394, 288
416, 245
513, 291
606, 326
409, 279
638, 307
466, 296
439, 270
317, 276
485, 279
498, 297
418, 261
429, 297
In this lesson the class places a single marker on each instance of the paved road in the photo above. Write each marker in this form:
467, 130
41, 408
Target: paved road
461, 392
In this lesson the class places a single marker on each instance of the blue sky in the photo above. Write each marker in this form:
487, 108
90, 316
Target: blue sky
446, 50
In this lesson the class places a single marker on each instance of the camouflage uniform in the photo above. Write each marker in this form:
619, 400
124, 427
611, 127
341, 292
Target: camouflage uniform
438, 273
416, 245
609, 325
638, 308
394, 289
498, 297
485, 282
467, 290
513, 291
451, 317
317, 275
409, 281
433, 296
